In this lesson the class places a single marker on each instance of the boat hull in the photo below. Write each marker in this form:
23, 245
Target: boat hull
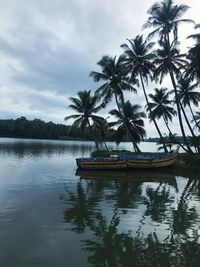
101, 164
151, 163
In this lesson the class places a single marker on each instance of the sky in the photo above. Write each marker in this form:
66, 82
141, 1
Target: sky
48, 48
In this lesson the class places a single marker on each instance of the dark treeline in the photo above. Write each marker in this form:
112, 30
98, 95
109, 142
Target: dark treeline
38, 129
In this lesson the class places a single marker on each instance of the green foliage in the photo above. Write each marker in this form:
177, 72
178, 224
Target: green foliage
86, 106
164, 17
36, 128
139, 57
193, 66
133, 118
161, 105
115, 76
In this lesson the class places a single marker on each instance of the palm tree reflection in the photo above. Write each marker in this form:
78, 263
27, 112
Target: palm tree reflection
158, 202
160, 230
82, 211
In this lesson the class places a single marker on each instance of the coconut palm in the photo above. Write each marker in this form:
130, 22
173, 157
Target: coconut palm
161, 106
170, 61
193, 56
133, 118
86, 105
139, 62
193, 139
165, 17
116, 80
193, 67
187, 94
103, 130
115, 76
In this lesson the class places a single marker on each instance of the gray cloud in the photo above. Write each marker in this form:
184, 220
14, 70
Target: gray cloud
59, 43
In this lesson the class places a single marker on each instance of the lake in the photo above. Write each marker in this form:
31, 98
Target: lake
53, 216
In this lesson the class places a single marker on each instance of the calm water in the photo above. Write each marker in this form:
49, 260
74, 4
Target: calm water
51, 215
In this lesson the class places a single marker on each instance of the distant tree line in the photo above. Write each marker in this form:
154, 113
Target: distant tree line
38, 129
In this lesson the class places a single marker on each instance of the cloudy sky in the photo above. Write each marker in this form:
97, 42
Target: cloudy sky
48, 48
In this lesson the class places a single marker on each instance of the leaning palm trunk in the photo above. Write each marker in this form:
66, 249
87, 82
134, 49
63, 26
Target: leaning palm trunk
170, 132
196, 122
154, 121
135, 146
190, 128
106, 145
96, 143
179, 111
166, 123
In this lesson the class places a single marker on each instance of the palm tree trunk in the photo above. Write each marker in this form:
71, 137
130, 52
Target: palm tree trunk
166, 123
154, 121
96, 143
197, 125
137, 148
125, 125
190, 128
179, 111
165, 120
106, 146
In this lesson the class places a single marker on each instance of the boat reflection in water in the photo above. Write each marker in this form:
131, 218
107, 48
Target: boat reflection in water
124, 175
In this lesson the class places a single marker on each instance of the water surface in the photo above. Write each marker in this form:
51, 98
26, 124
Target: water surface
53, 215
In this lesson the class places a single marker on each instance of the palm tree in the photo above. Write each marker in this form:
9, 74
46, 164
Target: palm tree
139, 62
164, 17
193, 56
187, 94
133, 119
170, 61
103, 129
116, 80
161, 106
193, 67
86, 105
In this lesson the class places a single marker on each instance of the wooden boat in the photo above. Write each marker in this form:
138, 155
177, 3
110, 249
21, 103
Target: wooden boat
129, 161
102, 163
150, 161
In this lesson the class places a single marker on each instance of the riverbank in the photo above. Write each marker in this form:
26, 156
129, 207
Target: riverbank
188, 161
